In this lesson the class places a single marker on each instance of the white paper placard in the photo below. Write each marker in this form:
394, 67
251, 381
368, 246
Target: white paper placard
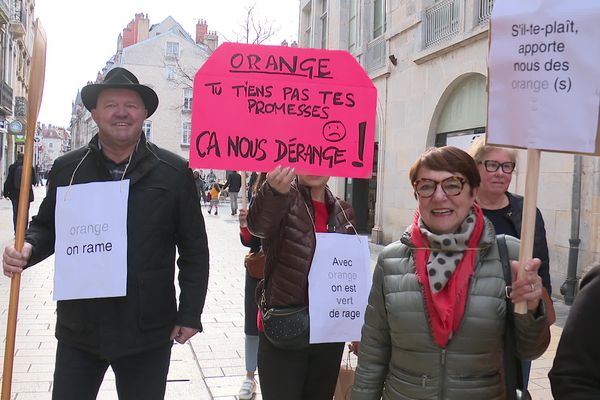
91, 240
338, 287
544, 75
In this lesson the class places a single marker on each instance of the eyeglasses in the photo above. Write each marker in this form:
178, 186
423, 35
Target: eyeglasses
492, 166
452, 186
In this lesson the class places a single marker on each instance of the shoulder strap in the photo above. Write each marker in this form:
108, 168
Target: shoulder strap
512, 365
331, 222
503, 250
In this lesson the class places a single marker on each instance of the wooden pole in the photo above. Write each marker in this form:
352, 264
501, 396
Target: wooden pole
244, 191
529, 211
34, 100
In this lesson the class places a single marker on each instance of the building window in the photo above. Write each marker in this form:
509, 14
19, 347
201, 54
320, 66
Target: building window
148, 130
352, 26
323, 24
307, 24
172, 49
461, 139
187, 99
378, 18
186, 132
171, 72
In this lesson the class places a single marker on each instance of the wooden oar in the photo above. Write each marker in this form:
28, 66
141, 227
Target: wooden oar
528, 221
34, 99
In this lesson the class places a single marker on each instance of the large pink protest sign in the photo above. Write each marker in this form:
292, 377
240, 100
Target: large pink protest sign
256, 107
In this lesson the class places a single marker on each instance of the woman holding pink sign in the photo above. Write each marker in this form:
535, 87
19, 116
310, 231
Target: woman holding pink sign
286, 213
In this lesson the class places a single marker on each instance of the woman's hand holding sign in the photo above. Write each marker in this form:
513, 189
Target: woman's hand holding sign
528, 288
281, 179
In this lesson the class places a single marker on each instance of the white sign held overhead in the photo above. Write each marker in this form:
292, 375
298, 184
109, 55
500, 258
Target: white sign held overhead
544, 79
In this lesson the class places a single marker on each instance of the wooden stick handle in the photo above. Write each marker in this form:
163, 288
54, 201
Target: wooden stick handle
34, 100
529, 211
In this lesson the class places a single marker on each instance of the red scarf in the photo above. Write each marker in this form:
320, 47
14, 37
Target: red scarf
445, 309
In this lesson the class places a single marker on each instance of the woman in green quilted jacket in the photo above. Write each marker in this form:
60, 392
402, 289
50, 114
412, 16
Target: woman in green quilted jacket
437, 314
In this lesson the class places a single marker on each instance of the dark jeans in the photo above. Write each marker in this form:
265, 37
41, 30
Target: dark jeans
309, 374
15, 205
78, 374
250, 306
233, 201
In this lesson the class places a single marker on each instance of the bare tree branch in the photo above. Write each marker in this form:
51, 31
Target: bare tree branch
253, 31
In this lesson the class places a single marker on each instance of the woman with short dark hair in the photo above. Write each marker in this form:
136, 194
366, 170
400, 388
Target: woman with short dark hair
436, 319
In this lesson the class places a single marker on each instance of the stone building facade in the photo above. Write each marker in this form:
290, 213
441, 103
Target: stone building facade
16, 48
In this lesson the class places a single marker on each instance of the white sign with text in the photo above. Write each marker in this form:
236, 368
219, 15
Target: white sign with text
91, 240
338, 287
544, 80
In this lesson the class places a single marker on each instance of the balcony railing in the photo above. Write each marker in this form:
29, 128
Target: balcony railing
20, 106
442, 21
485, 11
5, 9
6, 98
18, 19
375, 55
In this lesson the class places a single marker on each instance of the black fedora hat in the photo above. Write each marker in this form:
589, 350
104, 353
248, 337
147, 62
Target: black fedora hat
119, 78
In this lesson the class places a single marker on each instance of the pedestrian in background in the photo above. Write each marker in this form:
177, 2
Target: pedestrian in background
211, 178
575, 373
248, 388
234, 183
38, 175
132, 333
505, 211
251, 184
200, 186
436, 319
12, 187
214, 195
286, 213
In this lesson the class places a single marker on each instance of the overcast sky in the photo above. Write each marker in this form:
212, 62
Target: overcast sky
82, 36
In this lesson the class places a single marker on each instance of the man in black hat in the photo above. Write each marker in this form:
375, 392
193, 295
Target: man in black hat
134, 332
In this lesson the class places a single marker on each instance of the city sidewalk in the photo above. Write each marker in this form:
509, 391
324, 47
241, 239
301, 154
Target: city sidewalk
210, 365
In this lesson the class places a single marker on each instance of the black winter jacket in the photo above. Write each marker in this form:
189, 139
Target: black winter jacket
234, 182
10, 190
576, 370
163, 213
540, 245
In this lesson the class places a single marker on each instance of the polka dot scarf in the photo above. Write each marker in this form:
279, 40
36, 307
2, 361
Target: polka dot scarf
444, 267
446, 252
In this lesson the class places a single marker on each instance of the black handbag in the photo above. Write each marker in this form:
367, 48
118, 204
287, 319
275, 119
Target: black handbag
287, 327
